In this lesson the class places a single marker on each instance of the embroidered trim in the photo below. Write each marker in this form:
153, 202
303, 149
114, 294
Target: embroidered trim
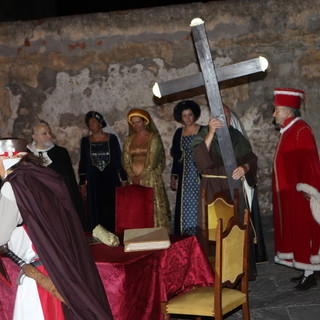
314, 265
283, 262
282, 130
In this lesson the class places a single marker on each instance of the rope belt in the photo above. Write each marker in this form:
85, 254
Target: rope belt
213, 176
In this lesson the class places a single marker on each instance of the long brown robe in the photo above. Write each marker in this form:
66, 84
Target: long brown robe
211, 163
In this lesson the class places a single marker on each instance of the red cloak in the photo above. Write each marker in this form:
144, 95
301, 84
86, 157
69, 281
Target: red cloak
297, 235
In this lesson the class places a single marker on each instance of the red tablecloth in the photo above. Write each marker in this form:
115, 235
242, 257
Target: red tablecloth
136, 282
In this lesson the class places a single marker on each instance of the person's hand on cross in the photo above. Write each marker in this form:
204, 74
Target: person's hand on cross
240, 171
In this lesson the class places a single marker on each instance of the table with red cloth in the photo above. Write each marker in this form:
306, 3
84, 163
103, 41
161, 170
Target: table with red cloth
136, 282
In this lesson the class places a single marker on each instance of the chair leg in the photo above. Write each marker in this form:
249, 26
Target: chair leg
166, 316
218, 315
245, 311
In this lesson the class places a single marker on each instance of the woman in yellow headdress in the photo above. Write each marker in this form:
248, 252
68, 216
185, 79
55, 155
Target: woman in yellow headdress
143, 158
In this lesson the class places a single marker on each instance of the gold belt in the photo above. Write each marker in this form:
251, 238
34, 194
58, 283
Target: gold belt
213, 176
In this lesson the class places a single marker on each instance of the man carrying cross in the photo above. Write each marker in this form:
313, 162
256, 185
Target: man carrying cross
207, 155
210, 77
208, 158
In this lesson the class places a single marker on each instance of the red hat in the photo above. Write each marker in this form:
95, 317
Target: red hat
288, 97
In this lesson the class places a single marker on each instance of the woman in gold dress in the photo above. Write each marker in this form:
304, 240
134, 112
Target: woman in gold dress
143, 158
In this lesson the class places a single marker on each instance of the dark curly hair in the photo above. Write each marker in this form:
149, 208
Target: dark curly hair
185, 105
96, 115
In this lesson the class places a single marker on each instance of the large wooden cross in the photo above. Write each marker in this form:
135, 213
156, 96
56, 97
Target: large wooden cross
210, 78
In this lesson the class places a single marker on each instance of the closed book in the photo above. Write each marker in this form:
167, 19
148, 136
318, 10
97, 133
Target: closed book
146, 239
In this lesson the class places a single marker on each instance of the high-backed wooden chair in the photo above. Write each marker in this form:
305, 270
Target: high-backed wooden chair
218, 207
134, 208
231, 278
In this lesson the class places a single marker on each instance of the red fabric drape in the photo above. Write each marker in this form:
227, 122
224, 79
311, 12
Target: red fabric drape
137, 282
134, 207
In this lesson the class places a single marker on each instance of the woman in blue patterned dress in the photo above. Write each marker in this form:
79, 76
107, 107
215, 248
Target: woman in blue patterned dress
184, 174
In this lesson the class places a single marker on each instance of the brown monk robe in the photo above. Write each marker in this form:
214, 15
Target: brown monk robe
207, 155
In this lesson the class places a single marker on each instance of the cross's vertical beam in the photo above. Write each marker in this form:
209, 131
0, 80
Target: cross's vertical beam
215, 102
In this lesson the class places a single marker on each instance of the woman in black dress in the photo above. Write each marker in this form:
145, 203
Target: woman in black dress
99, 172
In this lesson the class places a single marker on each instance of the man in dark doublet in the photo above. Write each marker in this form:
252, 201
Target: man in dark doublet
58, 159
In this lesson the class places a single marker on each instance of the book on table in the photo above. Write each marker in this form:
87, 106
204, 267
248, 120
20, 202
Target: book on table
146, 239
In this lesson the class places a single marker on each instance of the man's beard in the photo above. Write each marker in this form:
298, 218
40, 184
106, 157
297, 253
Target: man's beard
48, 144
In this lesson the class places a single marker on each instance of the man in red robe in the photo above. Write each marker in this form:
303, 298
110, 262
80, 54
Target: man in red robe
296, 171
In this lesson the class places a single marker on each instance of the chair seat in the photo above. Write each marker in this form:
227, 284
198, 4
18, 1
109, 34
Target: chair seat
231, 277
185, 303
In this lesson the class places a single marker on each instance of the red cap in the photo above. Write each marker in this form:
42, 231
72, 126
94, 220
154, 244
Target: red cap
288, 97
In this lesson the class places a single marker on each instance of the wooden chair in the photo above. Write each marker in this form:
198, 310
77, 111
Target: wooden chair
213, 209
134, 208
231, 278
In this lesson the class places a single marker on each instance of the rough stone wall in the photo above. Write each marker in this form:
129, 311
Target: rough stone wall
58, 69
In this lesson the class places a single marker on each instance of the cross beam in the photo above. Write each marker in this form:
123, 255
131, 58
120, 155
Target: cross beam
223, 73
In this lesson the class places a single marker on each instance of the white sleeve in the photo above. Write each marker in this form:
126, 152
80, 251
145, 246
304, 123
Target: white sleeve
10, 216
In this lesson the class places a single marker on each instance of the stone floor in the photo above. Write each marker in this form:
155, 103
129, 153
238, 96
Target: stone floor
272, 296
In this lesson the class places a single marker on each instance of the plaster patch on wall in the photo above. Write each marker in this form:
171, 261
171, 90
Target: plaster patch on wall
313, 21
27, 73
221, 61
120, 89
9, 105
165, 74
311, 72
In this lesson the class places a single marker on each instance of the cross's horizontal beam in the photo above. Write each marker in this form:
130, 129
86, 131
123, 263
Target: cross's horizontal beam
223, 73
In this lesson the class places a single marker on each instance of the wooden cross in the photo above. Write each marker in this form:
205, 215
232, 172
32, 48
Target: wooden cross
210, 78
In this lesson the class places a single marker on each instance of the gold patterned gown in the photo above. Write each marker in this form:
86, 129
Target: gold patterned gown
148, 162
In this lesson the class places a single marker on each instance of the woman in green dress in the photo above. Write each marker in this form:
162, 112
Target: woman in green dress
143, 158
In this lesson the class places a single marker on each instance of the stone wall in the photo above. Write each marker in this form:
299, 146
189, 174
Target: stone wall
58, 69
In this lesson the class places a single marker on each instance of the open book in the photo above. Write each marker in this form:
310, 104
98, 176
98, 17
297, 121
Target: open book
146, 239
